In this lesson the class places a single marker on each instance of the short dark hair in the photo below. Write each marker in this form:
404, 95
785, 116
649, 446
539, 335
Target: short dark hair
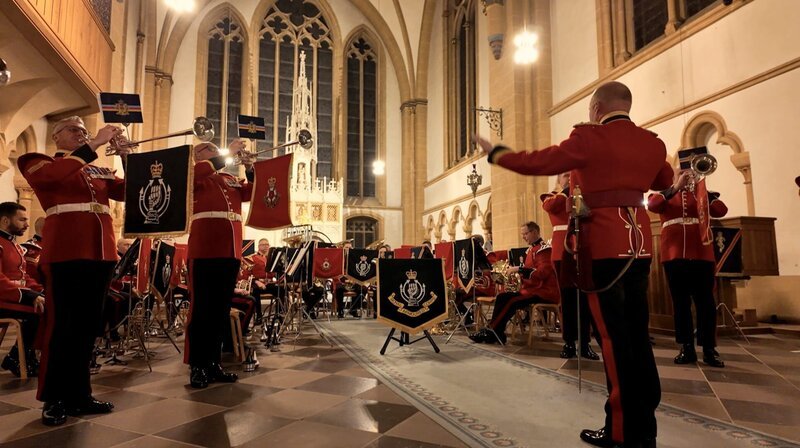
532, 226
263, 239
9, 209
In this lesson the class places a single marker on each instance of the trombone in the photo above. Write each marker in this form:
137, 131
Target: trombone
304, 139
202, 128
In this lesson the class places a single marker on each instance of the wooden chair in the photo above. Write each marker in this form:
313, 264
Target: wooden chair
543, 316
237, 338
5, 323
481, 310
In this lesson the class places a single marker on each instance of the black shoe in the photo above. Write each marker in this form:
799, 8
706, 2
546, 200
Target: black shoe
198, 378
54, 413
89, 406
500, 338
481, 336
217, 375
32, 363
568, 351
597, 438
588, 353
11, 364
711, 358
355, 313
340, 314
687, 355
312, 314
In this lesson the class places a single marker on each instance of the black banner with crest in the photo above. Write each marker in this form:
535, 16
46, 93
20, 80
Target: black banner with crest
158, 193
162, 263
727, 244
412, 295
359, 266
123, 108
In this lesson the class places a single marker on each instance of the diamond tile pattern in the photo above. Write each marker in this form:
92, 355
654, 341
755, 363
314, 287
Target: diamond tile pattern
310, 394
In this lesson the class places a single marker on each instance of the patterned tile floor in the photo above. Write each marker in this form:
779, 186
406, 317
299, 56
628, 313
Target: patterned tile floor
308, 395
311, 394
759, 387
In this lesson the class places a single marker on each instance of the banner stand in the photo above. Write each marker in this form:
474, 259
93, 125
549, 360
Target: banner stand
404, 339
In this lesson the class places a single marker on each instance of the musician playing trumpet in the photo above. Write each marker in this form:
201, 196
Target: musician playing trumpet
78, 243
214, 256
539, 284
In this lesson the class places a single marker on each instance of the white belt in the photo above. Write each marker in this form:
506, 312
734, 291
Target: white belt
19, 282
683, 221
230, 216
561, 228
91, 207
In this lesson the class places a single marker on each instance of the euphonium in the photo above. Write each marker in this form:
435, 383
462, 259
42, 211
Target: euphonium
512, 282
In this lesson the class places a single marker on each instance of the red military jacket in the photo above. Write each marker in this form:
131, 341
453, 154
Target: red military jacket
680, 233
259, 266
33, 250
555, 204
219, 237
68, 180
542, 281
614, 164
13, 277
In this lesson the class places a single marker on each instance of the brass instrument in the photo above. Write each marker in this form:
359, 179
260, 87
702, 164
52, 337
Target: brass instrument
202, 128
701, 165
304, 139
375, 245
512, 282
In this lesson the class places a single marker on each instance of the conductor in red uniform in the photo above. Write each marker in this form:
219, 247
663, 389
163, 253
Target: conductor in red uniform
77, 260
689, 265
613, 163
539, 285
555, 204
214, 254
20, 294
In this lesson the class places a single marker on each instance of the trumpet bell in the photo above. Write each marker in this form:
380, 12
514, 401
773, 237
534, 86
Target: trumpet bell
704, 164
305, 139
203, 129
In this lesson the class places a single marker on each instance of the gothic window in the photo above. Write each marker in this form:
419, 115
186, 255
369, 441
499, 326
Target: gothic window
694, 7
649, 21
224, 77
363, 230
291, 26
362, 118
462, 78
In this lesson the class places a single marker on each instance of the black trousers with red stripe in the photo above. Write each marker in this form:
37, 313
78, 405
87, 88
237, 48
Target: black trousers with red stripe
505, 305
569, 312
211, 285
621, 314
693, 280
75, 291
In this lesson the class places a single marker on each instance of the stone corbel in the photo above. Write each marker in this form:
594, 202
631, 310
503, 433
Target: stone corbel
495, 12
741, 160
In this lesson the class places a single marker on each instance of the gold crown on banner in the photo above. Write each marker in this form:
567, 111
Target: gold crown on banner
156, 169
412, 274
271, 182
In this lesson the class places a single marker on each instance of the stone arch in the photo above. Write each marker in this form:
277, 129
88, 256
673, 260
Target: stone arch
430, 230
441, 224
698, 131
454, 219
486, 221
473, 212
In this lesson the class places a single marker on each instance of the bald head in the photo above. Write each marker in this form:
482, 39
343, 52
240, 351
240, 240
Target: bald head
609, 97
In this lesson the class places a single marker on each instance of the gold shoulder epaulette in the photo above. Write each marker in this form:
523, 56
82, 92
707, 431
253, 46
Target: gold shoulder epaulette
584, 123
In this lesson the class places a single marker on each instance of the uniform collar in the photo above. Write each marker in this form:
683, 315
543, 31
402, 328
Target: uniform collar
614, 116
6, 235
62, 153
537, 242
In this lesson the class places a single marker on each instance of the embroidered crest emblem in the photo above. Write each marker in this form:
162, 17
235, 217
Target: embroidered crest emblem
463, 265
720, 239
272, 197
412, 291
362, 267
326, 265
122, 108
154, 197
251, 127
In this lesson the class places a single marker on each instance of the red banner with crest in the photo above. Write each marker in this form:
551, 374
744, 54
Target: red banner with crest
270, 204
328, 262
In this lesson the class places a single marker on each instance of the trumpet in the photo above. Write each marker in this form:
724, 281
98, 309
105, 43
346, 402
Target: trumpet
701, 165
202, 128
304, 139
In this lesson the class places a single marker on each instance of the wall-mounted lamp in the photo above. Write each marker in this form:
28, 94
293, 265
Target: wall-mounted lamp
5, 73
378, 167
527, 52
474, 180
494, 118
181, 5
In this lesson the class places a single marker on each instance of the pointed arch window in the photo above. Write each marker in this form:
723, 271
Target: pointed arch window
291, 26
362, 117
224, 77
462, 78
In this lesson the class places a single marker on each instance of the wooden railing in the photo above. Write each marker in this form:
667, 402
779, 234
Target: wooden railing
74, 31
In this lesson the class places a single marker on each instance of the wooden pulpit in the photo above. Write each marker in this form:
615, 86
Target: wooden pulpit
759, 256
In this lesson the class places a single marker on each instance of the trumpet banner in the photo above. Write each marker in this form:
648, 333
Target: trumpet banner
445, 252
270, 203
412, 295
328, 262
359, 266
158, 193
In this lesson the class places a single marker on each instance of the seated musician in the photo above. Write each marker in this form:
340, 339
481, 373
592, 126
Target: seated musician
539, 285
20, 295
242, 300
33, 249
343, 285
263, 280
483, 286
119, 295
